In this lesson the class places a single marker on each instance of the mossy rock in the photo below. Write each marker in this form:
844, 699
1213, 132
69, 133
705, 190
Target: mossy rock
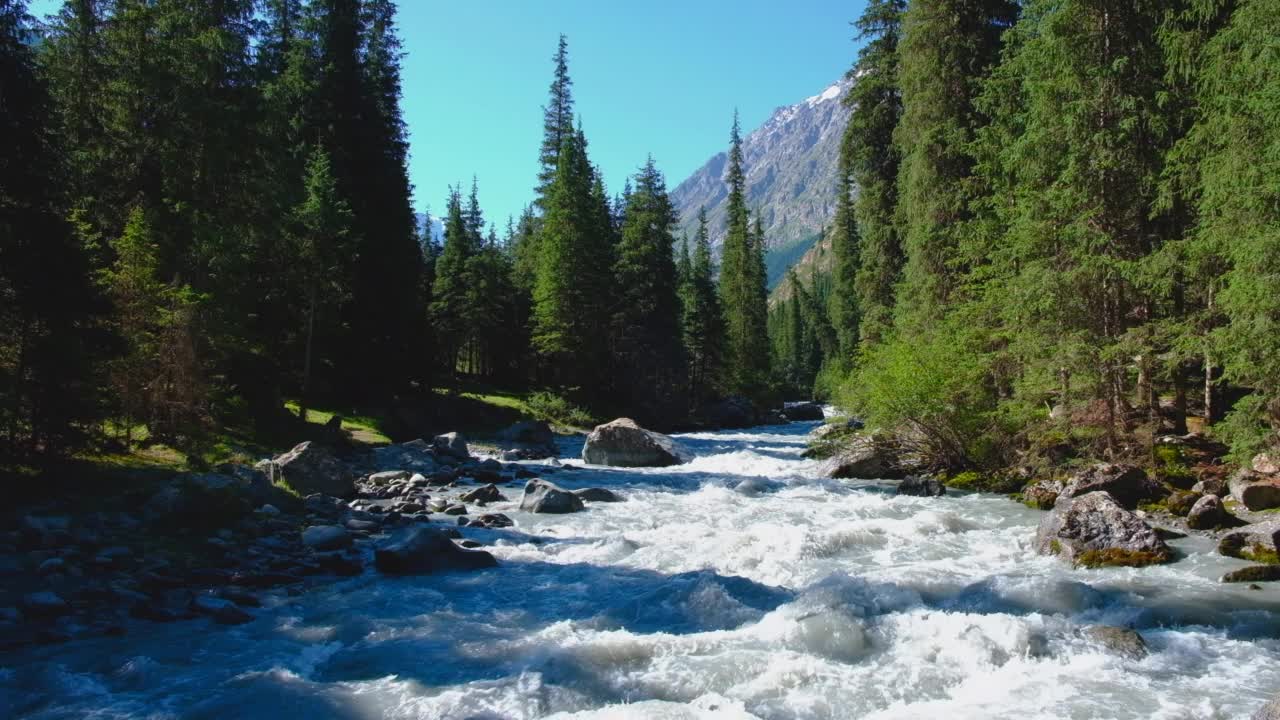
1116, 557
1260, 554
1003, 483
1253, 573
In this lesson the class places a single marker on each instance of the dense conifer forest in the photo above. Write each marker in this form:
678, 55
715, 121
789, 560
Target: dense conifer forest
1057, 218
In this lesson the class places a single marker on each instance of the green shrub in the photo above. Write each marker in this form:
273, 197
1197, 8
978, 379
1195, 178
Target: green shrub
555, 409
1245, 430
936, 390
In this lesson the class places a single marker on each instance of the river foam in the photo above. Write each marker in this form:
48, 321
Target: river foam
740, 585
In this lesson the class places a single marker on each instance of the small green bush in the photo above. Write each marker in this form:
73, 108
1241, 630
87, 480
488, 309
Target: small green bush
555, 409
1245, 430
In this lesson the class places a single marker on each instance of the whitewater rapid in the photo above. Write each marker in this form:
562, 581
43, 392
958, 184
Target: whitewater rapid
738, 586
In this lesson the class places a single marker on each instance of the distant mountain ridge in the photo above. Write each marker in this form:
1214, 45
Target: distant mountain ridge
790, 164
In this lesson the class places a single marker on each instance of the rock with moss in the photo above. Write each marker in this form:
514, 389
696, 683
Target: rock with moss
1257, 542
1004, 483
1041, 494
1128, 484
1095, 530
1253, 573
1254, 490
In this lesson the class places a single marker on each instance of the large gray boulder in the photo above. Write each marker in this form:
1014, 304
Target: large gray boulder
730, 413
1207, 513
453, 444
802, 411
1255, 490
623, 443
1258, 542
1119, 640
528, 440
863, 457
422, 550
326, 537
1128, 484
541, 496
595, 494
415, 457
310, 468
1095, 530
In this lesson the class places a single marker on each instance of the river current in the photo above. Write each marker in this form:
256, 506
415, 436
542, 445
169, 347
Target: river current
739, 585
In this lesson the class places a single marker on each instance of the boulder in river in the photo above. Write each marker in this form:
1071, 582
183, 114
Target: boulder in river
731, 413
1128, 484
919, 486
1255, 491
453, 444
541, 496
484, 494
1207, 513
415, 457
528, 440
863, 457
326, 537
1270, 711
595, 494
310, 468
422, 550
1253, 573
802, 411
1119, 640
623, 443
1094, 530
1257, 542
1042, 494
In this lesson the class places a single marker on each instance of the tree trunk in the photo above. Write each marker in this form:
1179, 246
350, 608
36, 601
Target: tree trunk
1179, 399
1208, 390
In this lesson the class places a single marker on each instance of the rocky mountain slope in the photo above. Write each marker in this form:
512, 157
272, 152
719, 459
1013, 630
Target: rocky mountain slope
790, 163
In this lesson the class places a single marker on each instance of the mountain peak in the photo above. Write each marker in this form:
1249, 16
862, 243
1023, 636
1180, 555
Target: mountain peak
790, 165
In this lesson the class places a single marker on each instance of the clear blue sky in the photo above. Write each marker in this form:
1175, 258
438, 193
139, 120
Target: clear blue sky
655, 76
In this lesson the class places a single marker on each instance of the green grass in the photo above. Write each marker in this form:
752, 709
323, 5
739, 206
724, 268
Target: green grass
363, 428
489, 408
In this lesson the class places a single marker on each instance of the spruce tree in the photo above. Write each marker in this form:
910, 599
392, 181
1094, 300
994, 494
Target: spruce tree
646, 318
450, 309
703, 328
742, 285
557, 123
868, 269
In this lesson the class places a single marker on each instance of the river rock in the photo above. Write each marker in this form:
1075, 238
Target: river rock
1042, 493
1253, 573
1257, 542
488, 520
917, 486
1127, 484
541, 496
864, 458
1119, 640
1095, 529
453, 444
1266, 464
1270, 711
731, 413
528, 440
422, 550
1211, 486
1206, 514
326, 537
387, 477
415, 456
802, 411
486, 494
310, 468
623, 443
1255, 491
595, 494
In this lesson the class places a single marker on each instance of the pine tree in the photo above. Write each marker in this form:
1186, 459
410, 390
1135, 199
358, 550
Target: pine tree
48, 389
323, 243
557, 123
646, 318
570, 293
742, 285
947, 48
869, 161
450, 309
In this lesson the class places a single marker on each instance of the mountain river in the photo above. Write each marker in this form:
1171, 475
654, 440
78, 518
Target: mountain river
739, 585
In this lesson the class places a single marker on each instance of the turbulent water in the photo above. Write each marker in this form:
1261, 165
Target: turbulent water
739, 585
